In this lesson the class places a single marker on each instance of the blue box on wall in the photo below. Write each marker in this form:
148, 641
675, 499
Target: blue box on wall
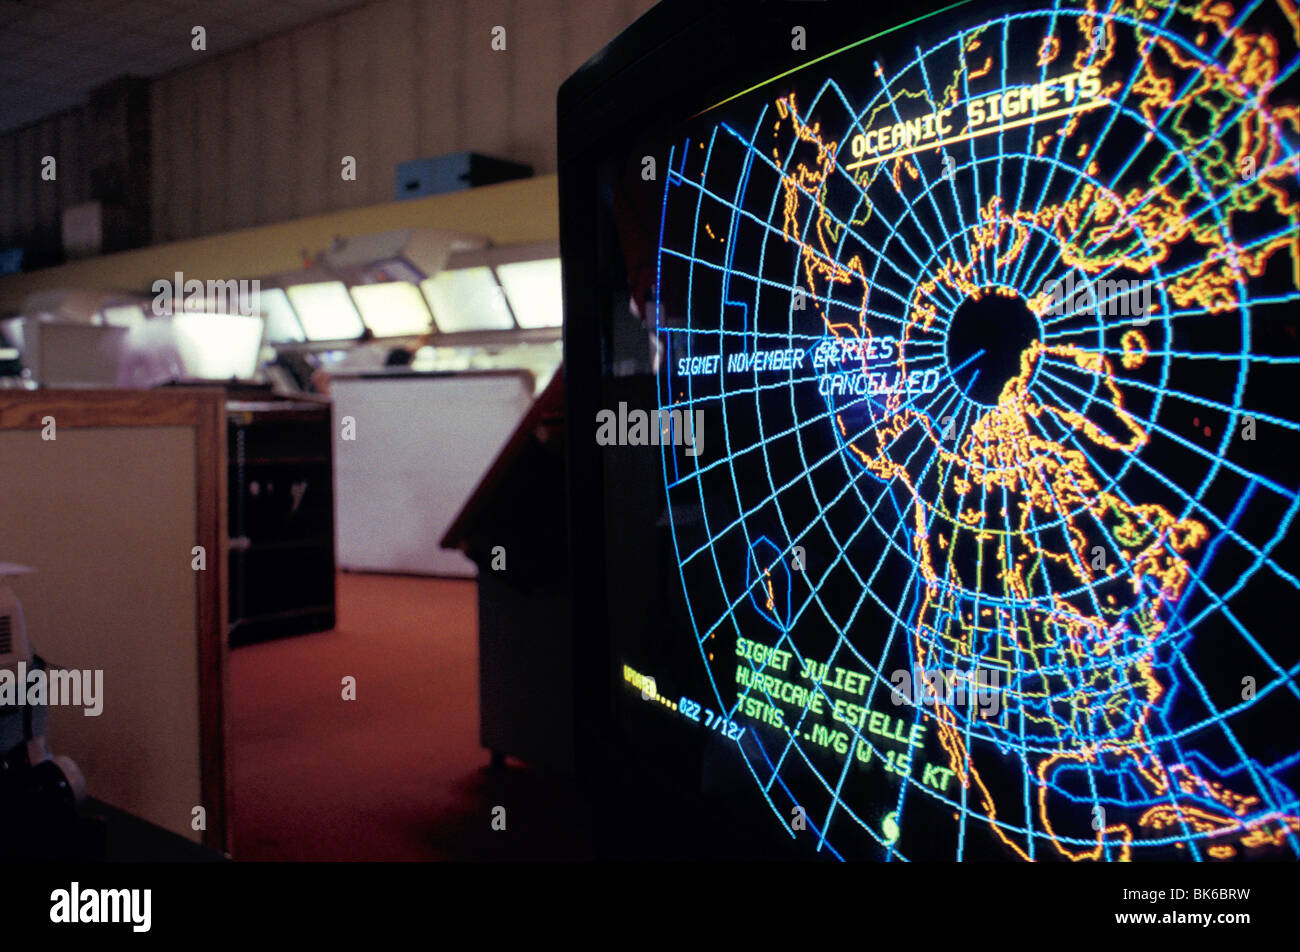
455, 171
11, 260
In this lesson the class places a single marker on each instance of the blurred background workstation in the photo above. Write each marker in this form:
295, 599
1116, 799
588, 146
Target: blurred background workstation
280, 303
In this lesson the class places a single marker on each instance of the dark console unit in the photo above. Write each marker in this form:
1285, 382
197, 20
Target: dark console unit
281, 519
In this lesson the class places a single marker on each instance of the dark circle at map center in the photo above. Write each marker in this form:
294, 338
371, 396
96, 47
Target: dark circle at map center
984, 341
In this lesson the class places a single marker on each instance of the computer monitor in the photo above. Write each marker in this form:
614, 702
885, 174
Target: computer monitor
934, 452
66, 354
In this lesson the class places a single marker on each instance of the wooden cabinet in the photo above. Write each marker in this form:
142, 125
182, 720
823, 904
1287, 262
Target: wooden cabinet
117, 498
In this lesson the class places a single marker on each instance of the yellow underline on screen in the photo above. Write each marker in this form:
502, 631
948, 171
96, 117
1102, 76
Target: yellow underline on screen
826, 56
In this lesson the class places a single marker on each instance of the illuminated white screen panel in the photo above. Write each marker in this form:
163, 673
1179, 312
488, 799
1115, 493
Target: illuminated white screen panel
392, 309
467, 299
217, 346
125, 315
282, 324
13, 329
326, 311
534, 290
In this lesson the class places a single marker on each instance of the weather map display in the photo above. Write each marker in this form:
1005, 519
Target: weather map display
983, 332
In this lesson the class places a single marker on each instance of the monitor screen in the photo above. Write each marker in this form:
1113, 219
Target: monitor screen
67, 354
392, 309
935, 442
217, 346
123, 315
282, 325
533, 290
467, 299
326, 311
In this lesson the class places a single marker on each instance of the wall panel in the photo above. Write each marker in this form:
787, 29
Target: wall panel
257, 135
242, 145
274, 107
313, 66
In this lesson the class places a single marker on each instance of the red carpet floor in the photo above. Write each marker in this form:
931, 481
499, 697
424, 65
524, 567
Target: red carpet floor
396, 774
